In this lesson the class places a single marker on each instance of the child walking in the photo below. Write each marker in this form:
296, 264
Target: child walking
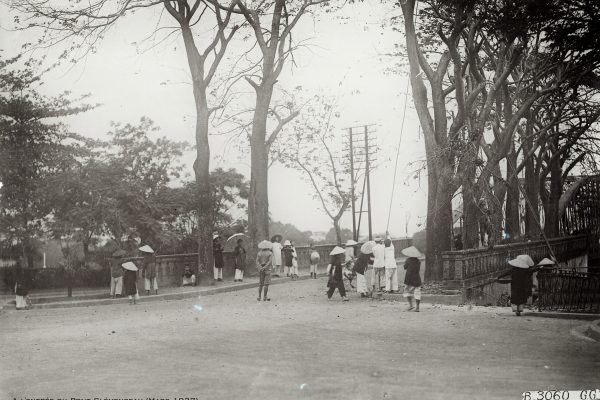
335, 271
264, 264
412, 279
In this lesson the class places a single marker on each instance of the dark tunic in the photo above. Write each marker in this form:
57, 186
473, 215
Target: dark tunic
149, 268
363, 260
412, 265
521, 282
130, 282
218, 254
288, 256
240, 258
336, 274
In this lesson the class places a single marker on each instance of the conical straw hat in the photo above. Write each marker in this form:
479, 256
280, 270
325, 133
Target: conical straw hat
527, 259
337, 250
129, 266
146, 249
367, 247
546, 261
412, 251
519, 263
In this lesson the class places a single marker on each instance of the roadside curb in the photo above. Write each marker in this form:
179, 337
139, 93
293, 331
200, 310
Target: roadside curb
593, 331
445, 299
563, 315
206, 291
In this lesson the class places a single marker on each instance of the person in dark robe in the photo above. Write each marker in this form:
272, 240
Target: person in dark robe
412, 278
218, 257
521, 283
360, 268
130, 281
335, 270
240, 261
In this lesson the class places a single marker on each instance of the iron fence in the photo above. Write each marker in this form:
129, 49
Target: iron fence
569, 291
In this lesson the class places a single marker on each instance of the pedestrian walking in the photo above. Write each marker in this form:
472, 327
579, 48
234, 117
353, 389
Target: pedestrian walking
349, 260
378, 264
314, 261
287, 253
116, 273
130, 281
240, 261
391, 269
364, 260
218, 257
412, 279
188, 278
277, 258
21, 291
264, 264
521, 281
335, 272
149, 271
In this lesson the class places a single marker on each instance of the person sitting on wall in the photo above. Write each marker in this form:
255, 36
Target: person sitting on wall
188, 277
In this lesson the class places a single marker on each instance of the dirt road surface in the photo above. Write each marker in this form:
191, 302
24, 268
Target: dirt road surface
298, 346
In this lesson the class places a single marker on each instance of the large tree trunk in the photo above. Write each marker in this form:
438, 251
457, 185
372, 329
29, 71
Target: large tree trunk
205, 196
258, 200
202, 162
471, 212
512, 223
338, 230
439, 205
551, 203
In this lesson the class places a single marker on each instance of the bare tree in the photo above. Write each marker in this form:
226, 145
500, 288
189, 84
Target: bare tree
85, 24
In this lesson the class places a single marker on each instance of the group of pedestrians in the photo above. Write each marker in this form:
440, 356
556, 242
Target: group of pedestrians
124, 274
375, 262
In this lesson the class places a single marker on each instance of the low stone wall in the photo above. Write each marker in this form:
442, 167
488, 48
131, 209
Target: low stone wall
470, 268
169, 268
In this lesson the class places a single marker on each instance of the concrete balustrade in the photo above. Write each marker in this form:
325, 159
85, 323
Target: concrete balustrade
469, 268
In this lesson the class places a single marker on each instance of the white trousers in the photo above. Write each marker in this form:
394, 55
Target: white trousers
149, 283
411, 291
286, 269
218, 273
378, 274
361, 284
391, 279
239, 274
116, 285
294, 270
313, 268
21, 302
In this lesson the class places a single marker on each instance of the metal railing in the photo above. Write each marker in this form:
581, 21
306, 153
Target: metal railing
568, 291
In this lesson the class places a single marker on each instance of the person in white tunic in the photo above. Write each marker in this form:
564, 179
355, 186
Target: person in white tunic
277, 260
391, 272
378, 264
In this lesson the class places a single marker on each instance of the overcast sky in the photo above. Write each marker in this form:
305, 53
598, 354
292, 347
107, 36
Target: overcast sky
347, 56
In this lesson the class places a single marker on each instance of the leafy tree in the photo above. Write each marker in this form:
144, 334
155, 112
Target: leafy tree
290, 232
34, 147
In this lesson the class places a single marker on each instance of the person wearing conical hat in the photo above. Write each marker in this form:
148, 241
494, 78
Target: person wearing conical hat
314, 261
264, 264
218, 257
349, 260
116, 274
412, 278
149, 271
521, 283
335, 270
130, 281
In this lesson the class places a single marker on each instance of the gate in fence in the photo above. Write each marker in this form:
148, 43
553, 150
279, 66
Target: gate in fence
569, 291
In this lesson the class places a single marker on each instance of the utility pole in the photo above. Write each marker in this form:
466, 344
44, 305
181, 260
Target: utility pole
368, 178
350, 141
361, 152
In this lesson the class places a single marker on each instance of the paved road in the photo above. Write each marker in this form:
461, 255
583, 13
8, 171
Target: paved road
297, 346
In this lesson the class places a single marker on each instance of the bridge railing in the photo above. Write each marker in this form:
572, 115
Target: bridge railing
468, 268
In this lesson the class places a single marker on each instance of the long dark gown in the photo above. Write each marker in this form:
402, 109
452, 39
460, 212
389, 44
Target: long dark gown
521, 283
130, 282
